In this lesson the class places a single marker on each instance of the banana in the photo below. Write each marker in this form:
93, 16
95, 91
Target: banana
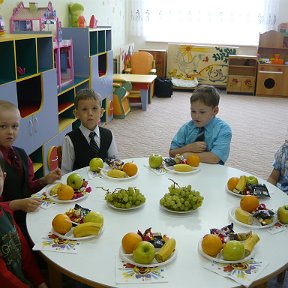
250, 243
241, 185
182, 167
166, 250
243, 216
115, 173
86, 229
54, 189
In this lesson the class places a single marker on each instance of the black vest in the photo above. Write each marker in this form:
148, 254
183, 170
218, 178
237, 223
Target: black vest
83, 153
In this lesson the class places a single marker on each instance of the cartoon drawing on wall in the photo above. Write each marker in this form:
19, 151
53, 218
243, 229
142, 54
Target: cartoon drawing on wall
189, 64
125, 57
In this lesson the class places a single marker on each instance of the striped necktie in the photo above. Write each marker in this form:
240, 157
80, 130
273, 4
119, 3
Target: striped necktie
94, 147
200, 136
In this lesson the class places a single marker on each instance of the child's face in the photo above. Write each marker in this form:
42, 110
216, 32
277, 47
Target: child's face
9, 126
89, 113
201, 114
2, 178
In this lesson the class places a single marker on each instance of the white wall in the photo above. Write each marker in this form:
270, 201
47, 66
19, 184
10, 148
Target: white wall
108, 13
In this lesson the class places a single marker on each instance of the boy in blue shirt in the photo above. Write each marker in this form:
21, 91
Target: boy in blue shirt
206, 135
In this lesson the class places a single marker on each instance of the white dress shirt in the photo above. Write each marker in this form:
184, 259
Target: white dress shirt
68, 153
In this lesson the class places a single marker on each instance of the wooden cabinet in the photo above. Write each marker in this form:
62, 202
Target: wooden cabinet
160, 58
272, 72
242, 72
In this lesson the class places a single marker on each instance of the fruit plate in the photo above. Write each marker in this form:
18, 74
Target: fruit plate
233, 193
105, 170
125, 209
177, 212
219, 257
171, 170
129, 259
69, 235
55, 198
256, 224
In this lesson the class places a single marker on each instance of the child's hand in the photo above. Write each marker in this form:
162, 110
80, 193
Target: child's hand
42, 285
197, 147
53, 176
26, 204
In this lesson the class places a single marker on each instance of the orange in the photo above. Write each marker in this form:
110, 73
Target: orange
249, 203
193, 160
130, 241
61, 223
232, 183
211, 244
65, 192
130, 168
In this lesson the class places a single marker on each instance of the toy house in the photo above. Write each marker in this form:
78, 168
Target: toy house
32, 18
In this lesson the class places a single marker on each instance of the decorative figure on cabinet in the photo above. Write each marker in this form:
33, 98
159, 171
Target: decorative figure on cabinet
81, 22
75, 10
2, 26
93, 22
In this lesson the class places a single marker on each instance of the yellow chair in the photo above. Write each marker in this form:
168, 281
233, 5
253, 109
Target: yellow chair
142, 63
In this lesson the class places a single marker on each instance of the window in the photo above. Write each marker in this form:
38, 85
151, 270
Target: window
223, 22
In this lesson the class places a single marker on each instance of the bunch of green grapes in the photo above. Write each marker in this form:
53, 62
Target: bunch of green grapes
125, 199
181, 198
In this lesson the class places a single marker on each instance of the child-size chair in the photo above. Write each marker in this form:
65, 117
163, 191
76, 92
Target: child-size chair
141, 63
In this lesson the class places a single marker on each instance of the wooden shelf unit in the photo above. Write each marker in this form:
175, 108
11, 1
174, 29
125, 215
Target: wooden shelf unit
242, 71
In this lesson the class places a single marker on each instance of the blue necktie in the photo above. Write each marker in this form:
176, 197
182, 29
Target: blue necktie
94, 147
200, 136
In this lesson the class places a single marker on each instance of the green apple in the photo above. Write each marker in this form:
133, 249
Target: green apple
155, 161
252, 180
282, 213
95, 217
144, 253
233, 250
96, 164
75, 181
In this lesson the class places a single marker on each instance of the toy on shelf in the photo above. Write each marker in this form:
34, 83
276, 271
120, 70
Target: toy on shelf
32, 18
93, 22
76, 10
2, 26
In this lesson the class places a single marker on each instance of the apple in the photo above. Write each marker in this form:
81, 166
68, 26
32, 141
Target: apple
252, 180
75, 181
144, 253
155, 161
95, 217
233, 250
282, 213
96, 164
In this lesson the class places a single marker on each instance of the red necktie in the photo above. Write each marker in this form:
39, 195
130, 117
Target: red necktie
15, 161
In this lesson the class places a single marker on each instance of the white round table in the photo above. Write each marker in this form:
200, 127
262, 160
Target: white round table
94, 264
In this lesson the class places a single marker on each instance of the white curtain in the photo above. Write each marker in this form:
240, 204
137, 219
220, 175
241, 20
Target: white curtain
203, 22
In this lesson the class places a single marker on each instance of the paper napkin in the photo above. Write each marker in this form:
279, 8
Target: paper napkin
46, 201
158, 171
56, 244
128, 273
243, 273
277, 227
92, 175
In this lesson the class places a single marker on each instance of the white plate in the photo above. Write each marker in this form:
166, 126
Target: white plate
104, 171
171, 169
55, 198
256, 224
69, 235
177, 212
125, 209
129, 258
219, 257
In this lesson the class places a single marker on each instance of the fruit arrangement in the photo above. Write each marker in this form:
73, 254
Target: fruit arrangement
147, 246
75, 188
89, 224
181, 164
77, 213
125, 198
247, 185
250, 209
120, 169
181, 199
225, 244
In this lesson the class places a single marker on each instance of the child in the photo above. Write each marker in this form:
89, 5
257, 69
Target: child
77, 149
19, 183
279, 174
17, 264
206, 135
